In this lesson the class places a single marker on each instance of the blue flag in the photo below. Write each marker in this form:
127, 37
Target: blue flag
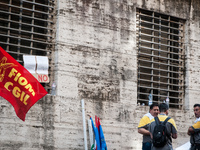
102, 139
96, 133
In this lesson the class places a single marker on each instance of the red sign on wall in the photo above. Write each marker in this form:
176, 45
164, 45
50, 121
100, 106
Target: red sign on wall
42, 78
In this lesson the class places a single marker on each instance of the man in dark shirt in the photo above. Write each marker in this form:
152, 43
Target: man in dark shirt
170, 125
194, 130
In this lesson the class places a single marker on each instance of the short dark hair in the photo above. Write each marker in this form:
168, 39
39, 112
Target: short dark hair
196, 105
163, 107
153, 105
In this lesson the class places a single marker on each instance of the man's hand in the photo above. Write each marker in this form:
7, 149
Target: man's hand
174, 136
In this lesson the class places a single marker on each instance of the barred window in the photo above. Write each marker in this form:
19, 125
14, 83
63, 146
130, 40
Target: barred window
160, 44
26, 27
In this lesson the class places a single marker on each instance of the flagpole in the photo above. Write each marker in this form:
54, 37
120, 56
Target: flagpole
84, 126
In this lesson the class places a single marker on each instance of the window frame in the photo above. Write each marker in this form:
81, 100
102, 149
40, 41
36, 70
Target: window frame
161, 58
26, 28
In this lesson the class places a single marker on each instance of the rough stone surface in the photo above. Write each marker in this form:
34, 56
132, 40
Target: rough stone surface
96, 60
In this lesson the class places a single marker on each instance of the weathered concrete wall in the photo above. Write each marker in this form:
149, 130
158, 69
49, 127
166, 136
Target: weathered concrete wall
33, 134
99, 38
96, 60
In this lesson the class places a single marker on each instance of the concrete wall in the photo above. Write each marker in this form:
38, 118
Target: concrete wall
96, 60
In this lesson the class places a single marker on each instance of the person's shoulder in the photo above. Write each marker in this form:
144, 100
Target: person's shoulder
172, 122
170, 119
144, 121
149, 116
164, 117
146, 116
152, 120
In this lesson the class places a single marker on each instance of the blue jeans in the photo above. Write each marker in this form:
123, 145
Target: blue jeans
146, 146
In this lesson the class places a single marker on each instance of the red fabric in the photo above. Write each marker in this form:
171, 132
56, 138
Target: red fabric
97, 122
18, 86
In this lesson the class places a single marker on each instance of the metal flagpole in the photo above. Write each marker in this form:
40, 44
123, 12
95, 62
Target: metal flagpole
84, 126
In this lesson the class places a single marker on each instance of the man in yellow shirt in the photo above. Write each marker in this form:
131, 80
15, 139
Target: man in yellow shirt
170, 126
194, 130
143, 127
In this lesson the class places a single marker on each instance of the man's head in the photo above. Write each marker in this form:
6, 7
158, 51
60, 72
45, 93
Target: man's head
197, 110
154, 109
163, 108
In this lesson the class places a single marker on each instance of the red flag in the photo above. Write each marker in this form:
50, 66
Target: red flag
18, 86
97, 122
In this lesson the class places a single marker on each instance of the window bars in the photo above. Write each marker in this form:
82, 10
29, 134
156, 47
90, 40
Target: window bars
26, 27
160, 58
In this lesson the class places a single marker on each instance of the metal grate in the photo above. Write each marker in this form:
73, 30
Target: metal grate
160, 58
26, 27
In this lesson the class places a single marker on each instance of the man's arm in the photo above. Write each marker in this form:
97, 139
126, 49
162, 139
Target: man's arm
173, 129
143, 131
190, 131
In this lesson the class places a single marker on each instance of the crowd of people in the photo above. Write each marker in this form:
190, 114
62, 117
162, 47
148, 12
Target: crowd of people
158, 129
